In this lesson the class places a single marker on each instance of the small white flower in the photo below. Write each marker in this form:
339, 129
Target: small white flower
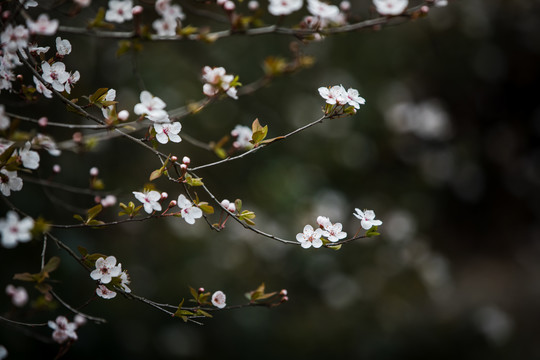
63, 47
390, 7
43, 25
38, 50
108, 201
104, 292
310, 237
14, 38
243, 135
323, 10
335, 95
19, 296
63, 329
109, 96
55, 74
73, 78
165, 26
151, 106
106, 269
354, 99
124, 278
150, 199
368, 218
333, 231
217, 80
119, 11
9, 181
166, 132
29, 158
219, 299
188, 211
47, 143
284, 7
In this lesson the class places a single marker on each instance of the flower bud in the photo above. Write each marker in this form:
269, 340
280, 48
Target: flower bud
109, 200
79, 320
284, 299
253, 5
164, 195
77, 136
183, 167
174, 158
94, 171
225, 203
186, 160
229, 6
221, 2
43, 121
201, 290
172, 203
283, 292
123, 115
424, 9
231, 207
345, 5
56, 168
137, 10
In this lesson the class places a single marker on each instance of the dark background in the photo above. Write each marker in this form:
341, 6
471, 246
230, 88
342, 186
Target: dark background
445, 152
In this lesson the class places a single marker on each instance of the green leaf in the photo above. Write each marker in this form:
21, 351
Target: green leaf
93, 212
25, 277
156, 174
82, 251
193, 181
203, 313
194, 293
97, 95
238, 204
207, 209
78, 217
334, 247
372, 232
52, 264
259, 132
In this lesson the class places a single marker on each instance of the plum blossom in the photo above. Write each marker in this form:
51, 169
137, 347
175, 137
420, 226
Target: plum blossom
284, 7
165, 26
354, 99
188, 211
14, 38
63, 47
331, 231
166, 132
43, 25
38, 50
106, 269
73, 79
390, 7
124, 281
119, 11
47, 143
108, 201
42, 89
9, 181
325, 12
219, 299
18, 295
171, 15
4, 119
335, 95
29, 158
150, 199
152, 107
368, 218
216, 81
63, 329
310, 237
243, 136
55, 74
105, 292
109, 96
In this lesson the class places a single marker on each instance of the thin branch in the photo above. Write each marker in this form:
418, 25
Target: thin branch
67, 306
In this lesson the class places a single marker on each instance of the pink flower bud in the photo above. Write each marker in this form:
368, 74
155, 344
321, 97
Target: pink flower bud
183, 167
284, 299
137, 10
225, 203
345, 5
97, 199
79, 320
186, 160
283, 292
164, 195
201, 290
229, 6
123, 115
253, 5
174, 158
424, 9
56, 169
221, 2
231, 207
43, 121
109, 200
77, 136
6, 14
94, 171
172, 203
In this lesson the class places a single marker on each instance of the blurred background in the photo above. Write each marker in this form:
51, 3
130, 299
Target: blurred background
445, 152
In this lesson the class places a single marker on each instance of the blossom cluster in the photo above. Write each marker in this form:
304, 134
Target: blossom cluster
340, 100
243, 135
107, 272
218, 81
152, 202
170, 18
332, 232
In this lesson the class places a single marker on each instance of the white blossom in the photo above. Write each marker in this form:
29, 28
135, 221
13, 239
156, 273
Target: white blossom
104, 292
188, 211
43, 25
284, 7
367, 218
63, 329
9, 181
14, 38
310, 237
166, 132
106, 269
150, 200
55, 74
218, 80
42, 89
152, 107
332, 231
73, 79
119, 11
335, 95
390, 7
47, 143
243, 136
63, 47
18, 295
165, 26
29, 158
219, 299
124, 281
